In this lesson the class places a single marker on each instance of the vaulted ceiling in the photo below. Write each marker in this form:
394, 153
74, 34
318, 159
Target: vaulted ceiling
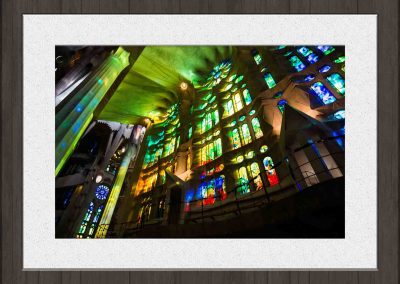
151, 86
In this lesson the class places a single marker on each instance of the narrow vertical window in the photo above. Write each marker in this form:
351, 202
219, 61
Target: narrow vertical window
271, 173
256, 127
246, 134
235, 139
246, 96
243, 181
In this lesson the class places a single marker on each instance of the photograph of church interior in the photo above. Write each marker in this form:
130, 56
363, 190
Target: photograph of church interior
199, 141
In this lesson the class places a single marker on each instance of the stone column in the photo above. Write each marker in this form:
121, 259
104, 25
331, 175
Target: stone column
74, 117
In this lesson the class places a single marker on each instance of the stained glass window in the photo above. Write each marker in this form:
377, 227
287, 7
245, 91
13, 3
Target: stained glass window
252, 112
308, 54
281, 105
220, 187
243, 181
340, 59
337, 81
304, 51
278, 95
250, 155
243, 117
228, 109
238, 79
323, 93
246, 134
257, 57
95, 220
219, 72
246, 96
340, 114
101, 192
190, 132
326, 49
238, 102
86, 220
269, 80
296, 63
255, 173
256, 127
263, 148
218, 147
271, 173
235, 139
324, 69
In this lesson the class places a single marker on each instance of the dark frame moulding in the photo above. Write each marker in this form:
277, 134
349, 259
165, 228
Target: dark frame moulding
388, 134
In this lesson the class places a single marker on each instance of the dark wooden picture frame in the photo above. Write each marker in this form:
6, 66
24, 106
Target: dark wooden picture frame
11, 142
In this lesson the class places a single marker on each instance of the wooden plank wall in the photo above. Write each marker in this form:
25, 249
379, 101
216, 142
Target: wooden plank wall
11, 139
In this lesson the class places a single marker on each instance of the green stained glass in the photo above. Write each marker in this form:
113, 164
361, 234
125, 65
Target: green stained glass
231, 78
211, 151
243, 117
229, 108
246, 134
215, 116
243, 181
234, 89
238, 79
340, 59
212, 99
257, 58
263, 148
227, 87
269, 80
208, 96
233, 123
256, 126
252, 112
338, 82
250, 155
243, 85
218, 147
239, 159
246, 96
235, 139
190, 132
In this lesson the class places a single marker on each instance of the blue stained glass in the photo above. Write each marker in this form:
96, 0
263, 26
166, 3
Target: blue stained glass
189, 195
326, 49
102, 192
312, 58
309, 78
323, 93
281, 105
339, 114
304, 51
296, 63
324, 69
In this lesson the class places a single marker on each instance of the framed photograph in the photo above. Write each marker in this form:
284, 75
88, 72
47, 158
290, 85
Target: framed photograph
202, 142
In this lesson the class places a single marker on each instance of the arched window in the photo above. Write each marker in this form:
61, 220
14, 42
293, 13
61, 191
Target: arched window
235, 139
246, 134
246, 96
255, 173
256, 127
218, 147
228, 109
220, 187
238, 102
271, 173
243, 181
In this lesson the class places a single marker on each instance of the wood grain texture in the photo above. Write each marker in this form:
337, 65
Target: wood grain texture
11, 142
